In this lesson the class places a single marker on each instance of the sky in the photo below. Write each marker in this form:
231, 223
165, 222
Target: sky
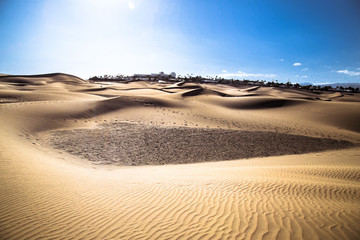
297, 41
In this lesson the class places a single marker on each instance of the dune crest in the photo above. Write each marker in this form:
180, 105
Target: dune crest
59, 193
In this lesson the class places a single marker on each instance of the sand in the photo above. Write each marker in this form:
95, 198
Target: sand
289, 167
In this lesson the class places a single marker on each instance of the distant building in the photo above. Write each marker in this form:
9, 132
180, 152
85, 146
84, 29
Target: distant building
142, 75
160, 75
206, 80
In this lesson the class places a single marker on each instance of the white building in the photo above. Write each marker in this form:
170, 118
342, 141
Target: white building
160, 75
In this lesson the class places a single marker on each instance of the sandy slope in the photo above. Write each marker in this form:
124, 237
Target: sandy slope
50, 193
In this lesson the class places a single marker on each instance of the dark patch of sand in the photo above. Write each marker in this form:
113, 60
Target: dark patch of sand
136, 144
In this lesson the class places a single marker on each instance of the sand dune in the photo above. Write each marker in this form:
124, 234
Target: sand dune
58, 131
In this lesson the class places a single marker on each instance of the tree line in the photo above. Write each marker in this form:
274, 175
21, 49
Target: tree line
220, 80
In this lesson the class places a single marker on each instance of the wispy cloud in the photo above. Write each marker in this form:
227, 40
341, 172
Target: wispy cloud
224, 71
297, 64
281, 60
303, 76
305, 69
350, 73
241, 74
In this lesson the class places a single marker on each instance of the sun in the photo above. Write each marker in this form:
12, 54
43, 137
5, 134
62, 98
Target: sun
131, 5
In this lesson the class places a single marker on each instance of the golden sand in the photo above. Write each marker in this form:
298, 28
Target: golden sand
52, 193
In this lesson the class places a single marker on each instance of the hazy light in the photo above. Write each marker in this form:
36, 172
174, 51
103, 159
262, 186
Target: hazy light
131, 5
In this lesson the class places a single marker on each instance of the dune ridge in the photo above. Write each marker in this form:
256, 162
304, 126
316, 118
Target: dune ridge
50, 193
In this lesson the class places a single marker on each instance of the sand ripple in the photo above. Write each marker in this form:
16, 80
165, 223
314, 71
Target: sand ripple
47, 193
250, 199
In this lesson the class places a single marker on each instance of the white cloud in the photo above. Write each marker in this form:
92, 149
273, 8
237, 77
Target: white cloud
305, 69
241, 74
224, 71
350, 73
131, 5
297, 64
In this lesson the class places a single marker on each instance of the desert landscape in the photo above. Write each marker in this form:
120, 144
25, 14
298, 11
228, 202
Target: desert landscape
146, 160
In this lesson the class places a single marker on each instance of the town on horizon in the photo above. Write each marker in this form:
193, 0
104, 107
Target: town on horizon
162, 77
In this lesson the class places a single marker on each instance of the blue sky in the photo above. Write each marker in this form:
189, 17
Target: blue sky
301, 41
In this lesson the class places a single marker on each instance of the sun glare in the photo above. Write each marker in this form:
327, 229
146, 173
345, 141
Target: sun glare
131, 5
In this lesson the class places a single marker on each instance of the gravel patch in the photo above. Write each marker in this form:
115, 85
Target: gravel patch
135, 144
